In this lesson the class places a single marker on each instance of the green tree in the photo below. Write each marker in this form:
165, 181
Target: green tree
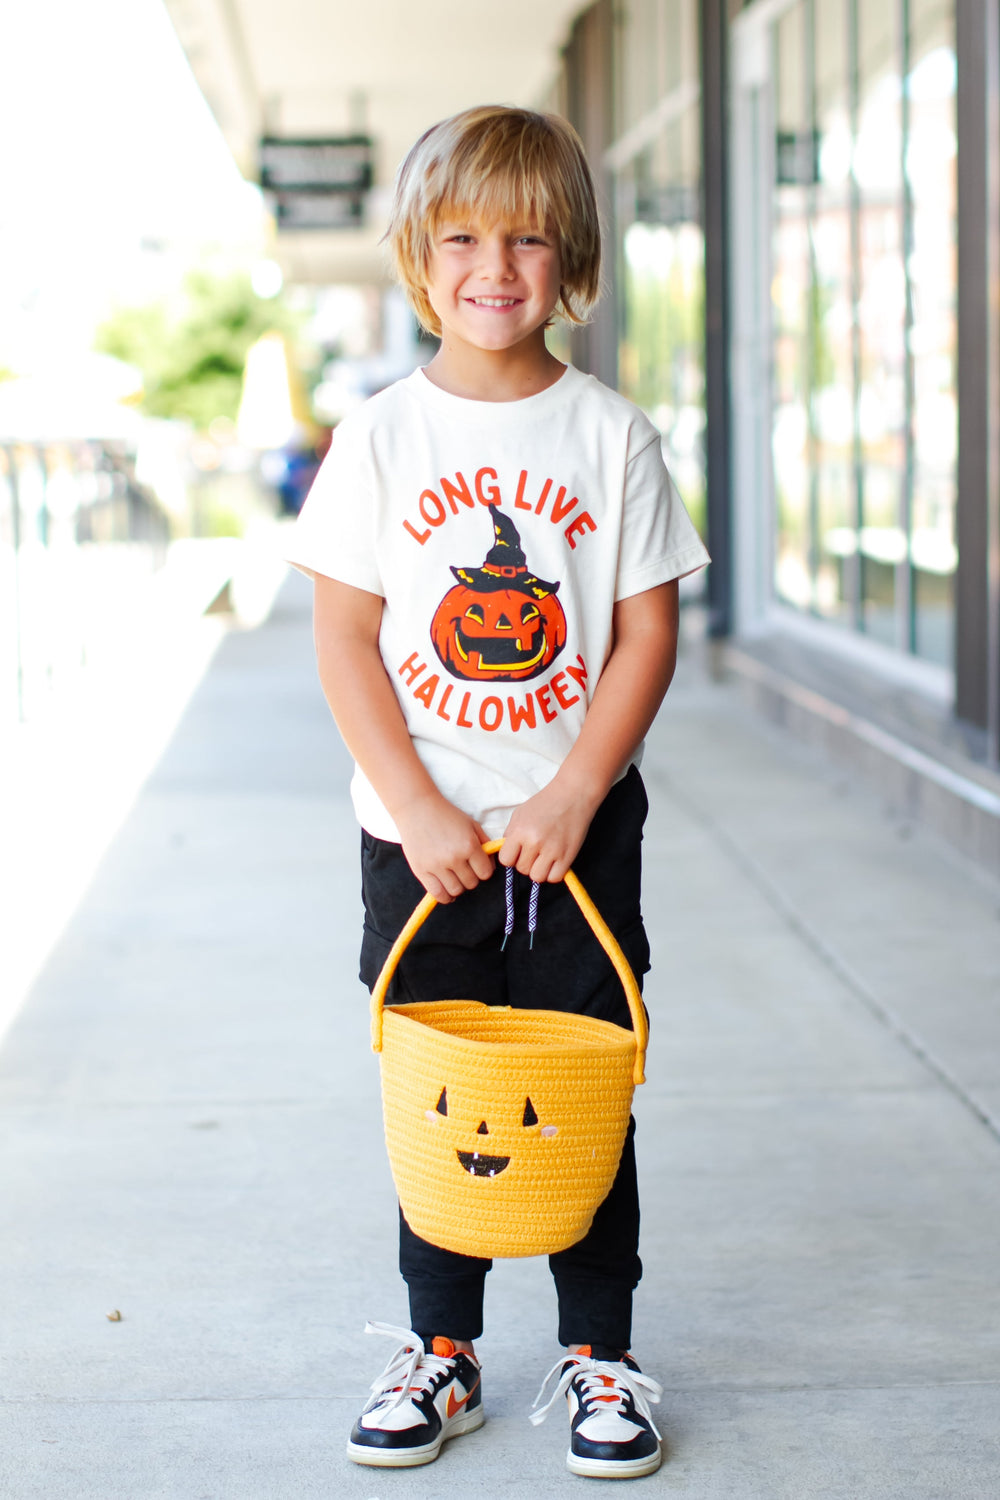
192, 353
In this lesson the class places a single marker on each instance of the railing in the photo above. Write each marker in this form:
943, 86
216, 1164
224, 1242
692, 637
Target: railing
80, 538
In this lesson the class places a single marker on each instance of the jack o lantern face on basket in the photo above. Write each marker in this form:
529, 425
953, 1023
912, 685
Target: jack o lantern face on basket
504, 1127
499, 623
478, 1160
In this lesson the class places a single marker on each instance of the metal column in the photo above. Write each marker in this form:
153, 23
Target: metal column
977, 584
715, 139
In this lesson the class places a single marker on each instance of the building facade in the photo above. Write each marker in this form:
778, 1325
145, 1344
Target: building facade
802, 207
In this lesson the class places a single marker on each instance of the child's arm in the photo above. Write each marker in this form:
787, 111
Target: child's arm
441, 843
545, 833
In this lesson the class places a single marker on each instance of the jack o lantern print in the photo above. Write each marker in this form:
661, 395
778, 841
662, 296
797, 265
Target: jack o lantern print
481, 1162
499, 623
504, 1127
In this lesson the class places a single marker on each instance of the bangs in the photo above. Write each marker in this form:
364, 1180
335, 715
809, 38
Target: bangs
500, 165
517, 193
513, 211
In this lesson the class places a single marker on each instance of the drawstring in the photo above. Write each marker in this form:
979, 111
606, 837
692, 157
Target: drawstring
508, 892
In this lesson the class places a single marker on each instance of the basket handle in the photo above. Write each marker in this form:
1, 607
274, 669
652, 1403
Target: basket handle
598, 926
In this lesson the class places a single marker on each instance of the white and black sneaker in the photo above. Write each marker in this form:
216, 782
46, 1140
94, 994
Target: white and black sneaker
612, 1435
423, 1397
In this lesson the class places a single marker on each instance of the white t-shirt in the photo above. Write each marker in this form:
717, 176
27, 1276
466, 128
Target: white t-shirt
500, 535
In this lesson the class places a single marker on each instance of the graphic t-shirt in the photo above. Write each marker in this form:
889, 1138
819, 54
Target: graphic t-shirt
500, 535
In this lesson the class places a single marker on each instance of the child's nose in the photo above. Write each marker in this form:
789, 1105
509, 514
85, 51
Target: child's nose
496, 259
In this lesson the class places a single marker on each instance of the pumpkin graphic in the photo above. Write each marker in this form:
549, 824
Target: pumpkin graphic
499, 623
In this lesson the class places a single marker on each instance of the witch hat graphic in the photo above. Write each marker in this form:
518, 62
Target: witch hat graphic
505, 565
500, 622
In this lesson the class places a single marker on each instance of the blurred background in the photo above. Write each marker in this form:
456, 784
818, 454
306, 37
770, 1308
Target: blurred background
802, 225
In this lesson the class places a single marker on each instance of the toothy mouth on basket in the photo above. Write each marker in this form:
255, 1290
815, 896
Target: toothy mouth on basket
482, 1166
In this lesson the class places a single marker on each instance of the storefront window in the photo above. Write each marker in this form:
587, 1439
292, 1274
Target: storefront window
661, 245
932, 261
881, 314
790, 291
863, 320
832, 325
657, 53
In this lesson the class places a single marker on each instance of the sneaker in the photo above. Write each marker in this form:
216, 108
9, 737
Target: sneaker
421, 1398
612, 1431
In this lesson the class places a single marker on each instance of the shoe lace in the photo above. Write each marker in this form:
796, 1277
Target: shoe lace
601, 1380
410, 1368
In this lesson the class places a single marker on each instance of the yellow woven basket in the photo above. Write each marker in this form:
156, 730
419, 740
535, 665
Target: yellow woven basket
504, 1127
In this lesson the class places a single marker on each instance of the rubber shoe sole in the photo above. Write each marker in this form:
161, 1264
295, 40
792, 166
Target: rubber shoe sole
610, 1468
410, 1458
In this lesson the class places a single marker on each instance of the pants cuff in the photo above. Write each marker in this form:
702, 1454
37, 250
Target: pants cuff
594, 1311
453, 1309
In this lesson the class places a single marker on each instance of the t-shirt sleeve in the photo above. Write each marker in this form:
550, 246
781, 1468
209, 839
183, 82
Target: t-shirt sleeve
334, 534
659, 541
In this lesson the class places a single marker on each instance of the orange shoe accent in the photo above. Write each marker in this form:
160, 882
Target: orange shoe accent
444, 1348
453, 1406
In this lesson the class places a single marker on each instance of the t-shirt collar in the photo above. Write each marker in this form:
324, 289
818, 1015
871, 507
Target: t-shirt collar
542, 402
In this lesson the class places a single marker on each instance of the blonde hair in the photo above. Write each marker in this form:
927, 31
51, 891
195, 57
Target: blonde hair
509, 166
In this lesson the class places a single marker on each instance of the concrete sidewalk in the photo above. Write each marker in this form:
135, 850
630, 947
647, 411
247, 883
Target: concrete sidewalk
191, 1135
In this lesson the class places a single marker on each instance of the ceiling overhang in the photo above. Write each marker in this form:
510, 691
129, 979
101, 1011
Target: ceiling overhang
386, 68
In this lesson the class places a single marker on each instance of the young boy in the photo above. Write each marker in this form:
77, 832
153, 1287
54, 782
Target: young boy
496, 545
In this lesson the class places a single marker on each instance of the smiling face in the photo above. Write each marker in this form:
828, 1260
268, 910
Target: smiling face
493, 286
497, 635
482, 1162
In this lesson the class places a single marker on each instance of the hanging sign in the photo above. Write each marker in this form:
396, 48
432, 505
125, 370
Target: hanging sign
317, 182
327, 164
797, 158
673, 203
299, 210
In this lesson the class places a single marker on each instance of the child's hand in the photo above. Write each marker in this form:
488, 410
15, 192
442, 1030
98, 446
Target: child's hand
545, 833
443, 847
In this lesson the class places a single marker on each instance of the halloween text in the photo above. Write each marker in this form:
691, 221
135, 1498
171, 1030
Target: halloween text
516, 711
